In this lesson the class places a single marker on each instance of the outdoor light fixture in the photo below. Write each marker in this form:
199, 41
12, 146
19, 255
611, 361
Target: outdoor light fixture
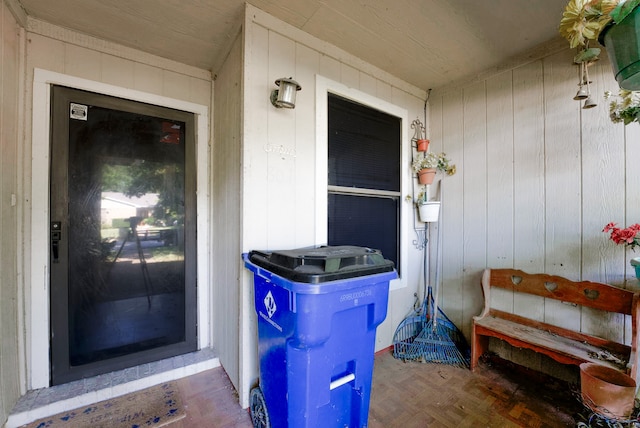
285, 97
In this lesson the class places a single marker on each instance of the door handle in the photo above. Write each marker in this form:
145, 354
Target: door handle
56, 237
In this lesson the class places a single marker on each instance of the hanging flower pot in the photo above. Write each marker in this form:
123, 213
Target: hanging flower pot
422, 145
432, 162
426, 175
607, 391
622, 41
429, 211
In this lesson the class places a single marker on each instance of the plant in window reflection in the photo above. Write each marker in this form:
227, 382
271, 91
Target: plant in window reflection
625, 107
430, 160
627, 236
141, 178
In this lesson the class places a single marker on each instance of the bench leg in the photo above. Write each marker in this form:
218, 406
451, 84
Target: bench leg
479, 345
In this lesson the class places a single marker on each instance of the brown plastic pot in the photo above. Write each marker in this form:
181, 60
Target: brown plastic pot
607, 391
426, 176
422, 145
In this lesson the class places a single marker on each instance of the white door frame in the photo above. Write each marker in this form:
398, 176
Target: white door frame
37, 293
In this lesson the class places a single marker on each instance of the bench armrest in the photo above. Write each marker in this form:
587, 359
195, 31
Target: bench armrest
486, 287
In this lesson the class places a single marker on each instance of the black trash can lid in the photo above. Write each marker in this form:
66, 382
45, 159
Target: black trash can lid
322, 264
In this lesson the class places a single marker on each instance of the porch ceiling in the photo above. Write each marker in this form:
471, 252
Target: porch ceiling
428, 43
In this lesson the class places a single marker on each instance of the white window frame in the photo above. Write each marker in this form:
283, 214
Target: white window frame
324, 87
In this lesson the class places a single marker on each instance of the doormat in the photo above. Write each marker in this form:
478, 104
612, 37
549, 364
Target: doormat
152, 407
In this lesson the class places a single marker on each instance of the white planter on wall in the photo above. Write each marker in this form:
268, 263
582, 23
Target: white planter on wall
429, 211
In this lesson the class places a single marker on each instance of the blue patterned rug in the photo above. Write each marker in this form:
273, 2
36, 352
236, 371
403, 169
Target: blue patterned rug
152, 407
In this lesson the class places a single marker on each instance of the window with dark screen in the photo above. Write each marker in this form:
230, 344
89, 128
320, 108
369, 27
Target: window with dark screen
364, 151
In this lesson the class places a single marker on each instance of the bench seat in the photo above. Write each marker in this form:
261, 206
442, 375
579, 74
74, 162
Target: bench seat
560, 346
563, 345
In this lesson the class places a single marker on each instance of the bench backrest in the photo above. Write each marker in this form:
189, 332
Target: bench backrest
585, 293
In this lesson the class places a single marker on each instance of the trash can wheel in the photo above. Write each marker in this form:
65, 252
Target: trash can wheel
258, 409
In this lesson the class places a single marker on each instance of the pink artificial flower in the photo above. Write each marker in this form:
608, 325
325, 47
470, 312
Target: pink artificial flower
624, 236
627, 235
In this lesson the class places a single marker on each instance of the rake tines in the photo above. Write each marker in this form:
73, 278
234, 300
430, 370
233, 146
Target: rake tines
437, 346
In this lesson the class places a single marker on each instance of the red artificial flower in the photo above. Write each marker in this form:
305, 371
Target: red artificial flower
627, 236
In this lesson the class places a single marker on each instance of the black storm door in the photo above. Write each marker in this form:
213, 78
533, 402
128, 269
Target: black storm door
123, 235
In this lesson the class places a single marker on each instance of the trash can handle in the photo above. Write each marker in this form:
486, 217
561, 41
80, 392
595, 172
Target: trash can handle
341, 381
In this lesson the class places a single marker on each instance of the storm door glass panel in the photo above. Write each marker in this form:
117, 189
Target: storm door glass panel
127, 237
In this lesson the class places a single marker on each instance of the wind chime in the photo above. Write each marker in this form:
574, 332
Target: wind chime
584, 92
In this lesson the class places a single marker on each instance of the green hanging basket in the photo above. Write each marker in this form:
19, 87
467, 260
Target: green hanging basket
622, 41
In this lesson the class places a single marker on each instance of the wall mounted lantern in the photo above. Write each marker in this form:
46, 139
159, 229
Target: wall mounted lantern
285, 97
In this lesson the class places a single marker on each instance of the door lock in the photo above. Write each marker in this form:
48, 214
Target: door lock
56, 237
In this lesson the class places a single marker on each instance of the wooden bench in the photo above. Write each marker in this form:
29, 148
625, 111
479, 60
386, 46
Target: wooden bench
563, 345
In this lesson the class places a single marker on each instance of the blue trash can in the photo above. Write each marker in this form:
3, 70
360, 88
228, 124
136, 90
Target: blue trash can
318, 310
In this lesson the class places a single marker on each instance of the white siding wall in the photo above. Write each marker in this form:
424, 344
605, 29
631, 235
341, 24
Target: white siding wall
538, 179
226, 178
11, 41
279, 190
